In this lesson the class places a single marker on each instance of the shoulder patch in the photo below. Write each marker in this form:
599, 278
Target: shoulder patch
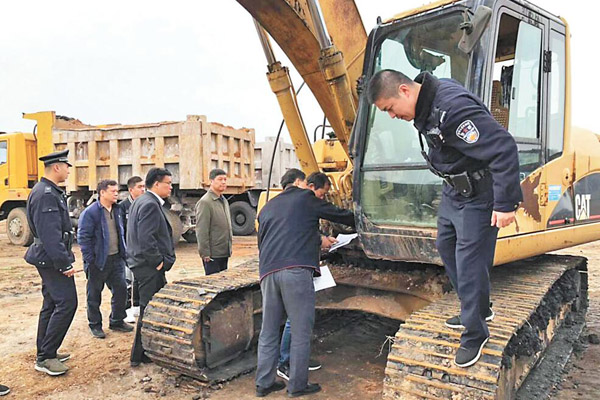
47, 189
468, 132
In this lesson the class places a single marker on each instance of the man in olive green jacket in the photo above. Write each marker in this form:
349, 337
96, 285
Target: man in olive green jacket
213, 225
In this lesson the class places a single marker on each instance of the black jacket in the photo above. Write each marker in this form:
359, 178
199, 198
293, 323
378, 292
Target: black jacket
48, 217
470, 139
288, 229
124, 207
149, 235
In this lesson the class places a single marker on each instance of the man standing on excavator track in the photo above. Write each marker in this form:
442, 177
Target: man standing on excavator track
478, 161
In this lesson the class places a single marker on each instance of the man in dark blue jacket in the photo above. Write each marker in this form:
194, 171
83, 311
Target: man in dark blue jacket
100, 236
478, 160
289, 251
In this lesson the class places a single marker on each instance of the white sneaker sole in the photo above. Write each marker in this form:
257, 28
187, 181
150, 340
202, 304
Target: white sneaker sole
314, 368
489, 318
473, 361
282, 375
46, 370
65, 358
7, 391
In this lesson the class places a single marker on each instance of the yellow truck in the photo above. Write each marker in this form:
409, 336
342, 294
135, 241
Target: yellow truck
189, 149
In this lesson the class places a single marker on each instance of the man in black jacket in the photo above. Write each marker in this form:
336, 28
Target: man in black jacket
150, 250
289, 250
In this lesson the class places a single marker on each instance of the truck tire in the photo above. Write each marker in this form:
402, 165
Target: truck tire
242, 218
190, 236
17, 228
176, 225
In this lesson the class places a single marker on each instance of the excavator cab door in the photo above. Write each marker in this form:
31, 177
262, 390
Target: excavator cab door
527, 97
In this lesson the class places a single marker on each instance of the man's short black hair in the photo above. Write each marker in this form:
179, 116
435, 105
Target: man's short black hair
105, 183
134, 180
384, 84
290, 177
318, 179
216, 172
156, 175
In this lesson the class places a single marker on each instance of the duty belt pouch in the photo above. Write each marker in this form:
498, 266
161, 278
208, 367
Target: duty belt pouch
462, 184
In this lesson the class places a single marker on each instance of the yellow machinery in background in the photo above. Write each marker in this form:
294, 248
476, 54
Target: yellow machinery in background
513, 55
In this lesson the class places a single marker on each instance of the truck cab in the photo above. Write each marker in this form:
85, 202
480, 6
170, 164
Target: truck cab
18, 174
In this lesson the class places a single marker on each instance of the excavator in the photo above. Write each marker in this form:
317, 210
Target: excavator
512, 54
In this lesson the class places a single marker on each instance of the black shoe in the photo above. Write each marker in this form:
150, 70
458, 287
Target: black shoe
97, 332
145, 360
4, 390
309, 389
314, 365
467, 357
455, 323
284, 372
275, 387
122, 327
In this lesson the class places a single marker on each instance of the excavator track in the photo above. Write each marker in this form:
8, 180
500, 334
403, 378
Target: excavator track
531, 299
185, 329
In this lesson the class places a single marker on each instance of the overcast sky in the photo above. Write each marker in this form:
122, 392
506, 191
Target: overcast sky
147, 61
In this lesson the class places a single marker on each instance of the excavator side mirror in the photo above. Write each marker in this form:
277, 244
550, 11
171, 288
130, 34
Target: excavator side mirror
473, 27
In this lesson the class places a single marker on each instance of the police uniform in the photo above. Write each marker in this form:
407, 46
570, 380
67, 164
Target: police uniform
478, 160
51, 254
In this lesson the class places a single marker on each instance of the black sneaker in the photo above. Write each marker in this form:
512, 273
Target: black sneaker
309, 389
314, 365
275, 387
467, 357
284, 372
4, 390
455, 323
122, 327
97, 332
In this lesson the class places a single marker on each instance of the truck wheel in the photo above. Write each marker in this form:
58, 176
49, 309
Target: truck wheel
176, 226
190, 236
17, 228
242, 218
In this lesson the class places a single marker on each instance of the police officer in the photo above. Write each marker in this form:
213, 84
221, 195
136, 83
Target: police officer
478, 160
51, 254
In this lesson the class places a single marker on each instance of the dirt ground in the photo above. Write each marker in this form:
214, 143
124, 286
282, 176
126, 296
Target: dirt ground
99, 369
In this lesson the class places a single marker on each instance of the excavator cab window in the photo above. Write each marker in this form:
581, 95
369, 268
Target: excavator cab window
516, 100
556, 98
397, 188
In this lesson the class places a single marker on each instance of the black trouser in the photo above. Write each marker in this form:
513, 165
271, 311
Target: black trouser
150, 281
133, 295
113, 276
58, 310
466, 242
216, 265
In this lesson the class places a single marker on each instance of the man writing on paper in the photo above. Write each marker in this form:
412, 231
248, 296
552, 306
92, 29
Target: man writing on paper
288, 243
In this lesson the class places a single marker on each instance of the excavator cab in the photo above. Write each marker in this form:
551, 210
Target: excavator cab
518, 66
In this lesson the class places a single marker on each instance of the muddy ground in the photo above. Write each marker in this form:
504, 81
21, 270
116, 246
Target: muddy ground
352, 366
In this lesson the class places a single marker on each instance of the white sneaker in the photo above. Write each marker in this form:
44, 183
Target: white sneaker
136, 311
130, 319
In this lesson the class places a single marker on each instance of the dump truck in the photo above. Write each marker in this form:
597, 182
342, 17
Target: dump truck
513, 55
189, 149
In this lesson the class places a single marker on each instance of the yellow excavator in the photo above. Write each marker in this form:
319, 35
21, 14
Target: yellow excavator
513, 55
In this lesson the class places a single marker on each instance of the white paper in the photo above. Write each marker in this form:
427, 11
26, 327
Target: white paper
324, 281
343, 240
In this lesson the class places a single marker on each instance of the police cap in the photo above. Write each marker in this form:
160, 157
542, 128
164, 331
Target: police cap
56, 157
